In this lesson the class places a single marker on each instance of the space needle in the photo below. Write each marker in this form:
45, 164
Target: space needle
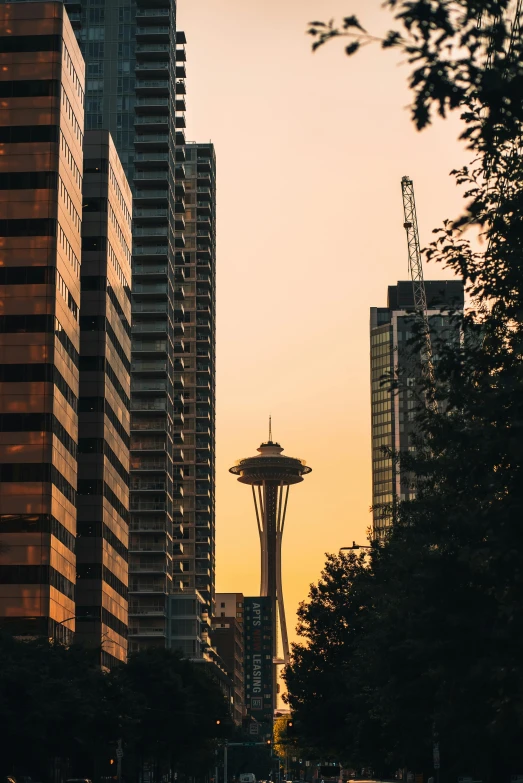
270, 475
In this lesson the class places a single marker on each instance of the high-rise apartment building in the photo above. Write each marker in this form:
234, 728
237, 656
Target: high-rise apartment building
195, 566
228, 639
41, 136
135, 71
392, 355
104, 418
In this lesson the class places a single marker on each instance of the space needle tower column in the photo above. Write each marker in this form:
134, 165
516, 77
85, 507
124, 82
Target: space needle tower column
270, 474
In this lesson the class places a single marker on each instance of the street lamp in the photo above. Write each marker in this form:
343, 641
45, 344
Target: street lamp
74, 617
355, 546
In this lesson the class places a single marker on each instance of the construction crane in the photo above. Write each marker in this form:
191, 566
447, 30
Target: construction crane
418, 285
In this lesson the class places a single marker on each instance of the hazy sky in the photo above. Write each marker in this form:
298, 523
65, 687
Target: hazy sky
310, 152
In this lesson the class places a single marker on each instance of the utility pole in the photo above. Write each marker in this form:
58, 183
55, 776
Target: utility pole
225, 748
119, 757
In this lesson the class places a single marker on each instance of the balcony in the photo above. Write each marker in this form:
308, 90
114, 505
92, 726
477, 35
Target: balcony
138, 404
150, 212
152, 546
152, 49
147, 526
155, 122
150, 327
150, 103
153, 444
147, 610
151, 196
153, 176
148, 586
151, 13
155, 384
144, 632
150, 307
152, 70
148, 567
178, 530
153, 33
151, 250
157, 366
146, 425
144, 466
152, 140
180, 88
147, 485
152, 86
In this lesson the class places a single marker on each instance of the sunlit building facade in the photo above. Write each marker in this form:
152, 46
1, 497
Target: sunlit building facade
393, 412
104, 416
41, 137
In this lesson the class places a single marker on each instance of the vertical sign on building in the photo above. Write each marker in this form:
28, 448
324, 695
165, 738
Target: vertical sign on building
259, 696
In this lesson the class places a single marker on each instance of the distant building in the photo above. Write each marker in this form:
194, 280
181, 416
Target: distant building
104, 418
393, 414
188, 631
260, 697
228, 639
41, 138
188, 624
230, 605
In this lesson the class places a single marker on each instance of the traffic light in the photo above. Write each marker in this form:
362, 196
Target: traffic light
290, 728
269, 742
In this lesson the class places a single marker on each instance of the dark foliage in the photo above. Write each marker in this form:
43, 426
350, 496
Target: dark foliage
424, 643
61, 715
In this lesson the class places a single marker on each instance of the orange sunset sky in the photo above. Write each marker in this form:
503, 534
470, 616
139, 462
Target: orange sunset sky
310, 153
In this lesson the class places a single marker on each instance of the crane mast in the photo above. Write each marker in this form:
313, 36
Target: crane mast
418, 285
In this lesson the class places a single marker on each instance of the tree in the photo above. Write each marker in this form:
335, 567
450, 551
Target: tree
61, 715
431, 641
174, 712
53, 705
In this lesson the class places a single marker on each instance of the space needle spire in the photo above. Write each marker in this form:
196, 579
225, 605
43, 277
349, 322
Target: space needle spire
270, 475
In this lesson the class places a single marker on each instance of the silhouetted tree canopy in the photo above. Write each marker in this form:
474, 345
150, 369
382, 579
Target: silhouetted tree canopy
421, 641
60, 711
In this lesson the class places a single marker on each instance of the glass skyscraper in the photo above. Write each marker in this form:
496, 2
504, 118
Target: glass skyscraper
393, 412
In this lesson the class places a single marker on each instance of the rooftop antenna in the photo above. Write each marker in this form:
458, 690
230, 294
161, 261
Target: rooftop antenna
270, 428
